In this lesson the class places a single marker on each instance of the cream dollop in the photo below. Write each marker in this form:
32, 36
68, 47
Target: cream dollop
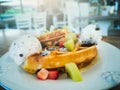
23, 47
90, 35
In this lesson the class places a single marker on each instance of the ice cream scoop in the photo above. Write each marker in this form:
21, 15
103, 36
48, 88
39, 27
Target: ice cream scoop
23, 47
90, 35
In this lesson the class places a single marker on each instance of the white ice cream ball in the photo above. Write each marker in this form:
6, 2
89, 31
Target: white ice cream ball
23, 47
89, 35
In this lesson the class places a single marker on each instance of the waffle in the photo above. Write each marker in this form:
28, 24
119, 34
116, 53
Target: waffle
52, 38
57, 59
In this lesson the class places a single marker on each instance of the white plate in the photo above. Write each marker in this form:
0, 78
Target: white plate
104, 74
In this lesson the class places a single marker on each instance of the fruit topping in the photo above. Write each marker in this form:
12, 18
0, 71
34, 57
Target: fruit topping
63, 49
73, 71
45, 52
51, 48
53, 75
69, 44
88, 43
43, 74
61, 44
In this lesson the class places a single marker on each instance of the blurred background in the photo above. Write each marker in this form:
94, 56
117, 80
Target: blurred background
75, 14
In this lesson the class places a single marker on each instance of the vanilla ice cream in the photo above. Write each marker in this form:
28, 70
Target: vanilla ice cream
90, 35
23, 47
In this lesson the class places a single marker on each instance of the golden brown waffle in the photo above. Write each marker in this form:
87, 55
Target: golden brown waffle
57, 59
52, 38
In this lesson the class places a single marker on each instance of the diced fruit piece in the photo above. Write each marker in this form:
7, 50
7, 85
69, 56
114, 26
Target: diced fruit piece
53, 75
43, 74
61, 44
73, 71
69, 44
71, 36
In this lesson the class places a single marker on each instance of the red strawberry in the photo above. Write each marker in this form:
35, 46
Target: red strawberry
43, 74
53, 75
61, 44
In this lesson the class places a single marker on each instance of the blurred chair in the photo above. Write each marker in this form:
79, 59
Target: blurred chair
59, 23
23, 21
39, 21
84, 8
72, 13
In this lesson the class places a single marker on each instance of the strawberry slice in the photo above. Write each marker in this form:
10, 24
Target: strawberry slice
53, 75
43, 74
61, 44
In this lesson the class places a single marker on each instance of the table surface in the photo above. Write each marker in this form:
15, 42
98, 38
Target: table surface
8, 36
